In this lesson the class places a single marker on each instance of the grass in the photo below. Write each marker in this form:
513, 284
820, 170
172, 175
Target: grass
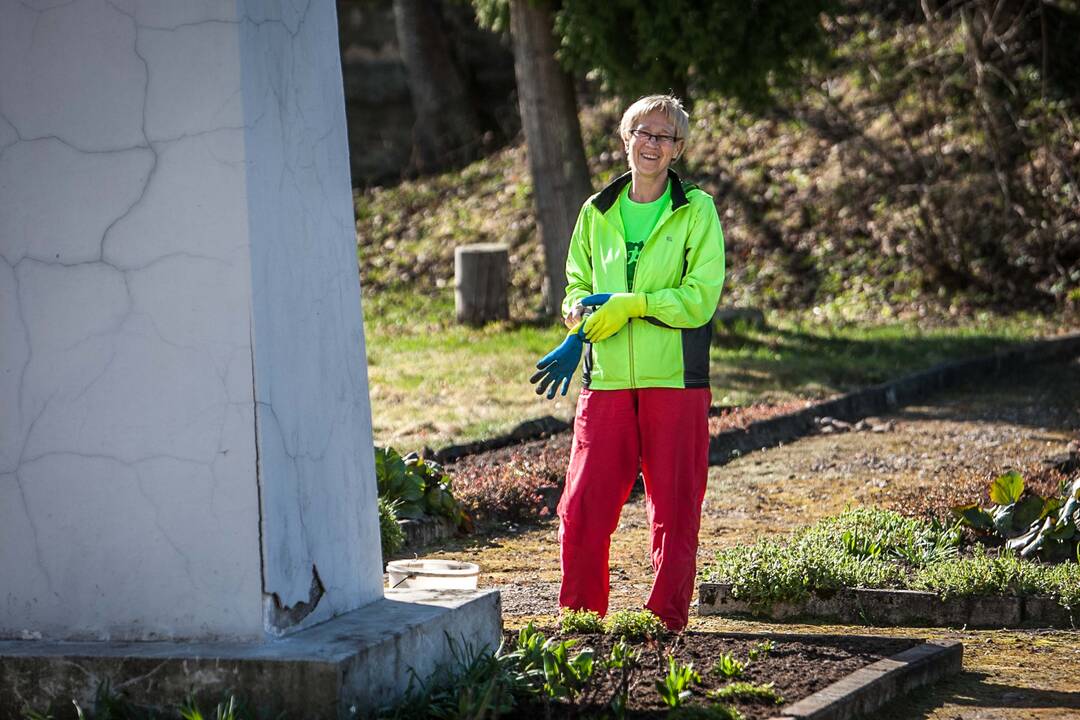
434, 382
742, 690
870, 548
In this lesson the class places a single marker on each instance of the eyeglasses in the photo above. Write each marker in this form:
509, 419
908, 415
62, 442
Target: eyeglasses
645, 136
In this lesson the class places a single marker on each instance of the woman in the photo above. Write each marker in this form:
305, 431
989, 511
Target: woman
648, 253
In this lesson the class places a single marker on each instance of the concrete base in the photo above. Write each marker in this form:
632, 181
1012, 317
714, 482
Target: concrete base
343, 668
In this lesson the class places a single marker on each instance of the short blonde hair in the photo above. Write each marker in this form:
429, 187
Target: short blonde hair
670, 105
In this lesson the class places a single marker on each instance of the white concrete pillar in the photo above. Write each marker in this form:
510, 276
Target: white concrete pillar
185, 435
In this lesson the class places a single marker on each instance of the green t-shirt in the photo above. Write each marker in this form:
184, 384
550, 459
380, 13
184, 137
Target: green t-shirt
638, 221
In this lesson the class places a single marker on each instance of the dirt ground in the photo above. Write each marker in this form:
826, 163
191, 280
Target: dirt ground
1012, 420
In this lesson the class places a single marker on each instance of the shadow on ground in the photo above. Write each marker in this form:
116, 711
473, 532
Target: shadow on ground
832, 364
978, 690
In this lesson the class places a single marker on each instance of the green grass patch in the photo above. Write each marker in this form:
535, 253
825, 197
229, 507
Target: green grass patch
434, 382
871, 548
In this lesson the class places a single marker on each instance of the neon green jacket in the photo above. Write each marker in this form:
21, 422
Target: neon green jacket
680, 270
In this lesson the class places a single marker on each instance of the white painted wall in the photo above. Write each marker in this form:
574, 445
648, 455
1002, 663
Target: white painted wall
177, 286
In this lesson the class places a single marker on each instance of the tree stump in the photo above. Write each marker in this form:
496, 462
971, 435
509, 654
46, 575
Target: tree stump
481, 277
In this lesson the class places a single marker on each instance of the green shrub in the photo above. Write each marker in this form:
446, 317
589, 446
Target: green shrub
1033, 525
634, 624
727, 666
674, 688
872, 548
581, 621
742, 690
390, 534
761, 649
419, 486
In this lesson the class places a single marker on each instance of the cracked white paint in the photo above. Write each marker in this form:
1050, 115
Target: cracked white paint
177, 267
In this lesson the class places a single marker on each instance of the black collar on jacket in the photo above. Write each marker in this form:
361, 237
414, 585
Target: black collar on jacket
607, 197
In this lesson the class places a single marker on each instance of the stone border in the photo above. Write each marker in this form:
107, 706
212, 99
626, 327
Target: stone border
536, 429
425, 531
860, 606
850, 407
870, 688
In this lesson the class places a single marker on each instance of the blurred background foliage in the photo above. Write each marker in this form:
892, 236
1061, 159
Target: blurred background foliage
874, 156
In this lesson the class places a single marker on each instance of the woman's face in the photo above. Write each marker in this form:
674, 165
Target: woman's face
652, 145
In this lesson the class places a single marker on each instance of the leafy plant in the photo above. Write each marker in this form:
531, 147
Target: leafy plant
419, 487
582, 621
674, 688
566, 675
474, 685
727, 666
741, 690
760, 650
228, 709
634, 624
860, 546
391, 535
625, 661
1030, 524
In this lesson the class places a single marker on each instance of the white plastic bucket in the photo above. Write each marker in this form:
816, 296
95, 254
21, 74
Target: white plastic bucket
432, 574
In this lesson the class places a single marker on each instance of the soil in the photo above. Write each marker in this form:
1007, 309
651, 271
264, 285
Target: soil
795, 668
932, 448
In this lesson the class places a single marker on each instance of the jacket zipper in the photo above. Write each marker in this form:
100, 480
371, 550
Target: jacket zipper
630, 322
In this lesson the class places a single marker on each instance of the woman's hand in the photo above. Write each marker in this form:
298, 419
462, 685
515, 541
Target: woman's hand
575, 316
586, 304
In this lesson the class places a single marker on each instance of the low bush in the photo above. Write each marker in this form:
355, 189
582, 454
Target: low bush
391, 537
418, 487
872, 548
1031, 524
581, 621
634, 624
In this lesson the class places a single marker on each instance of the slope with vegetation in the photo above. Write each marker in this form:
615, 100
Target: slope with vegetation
881, 186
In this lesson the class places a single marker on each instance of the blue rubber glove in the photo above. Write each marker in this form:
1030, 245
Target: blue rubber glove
558, 366
595, 300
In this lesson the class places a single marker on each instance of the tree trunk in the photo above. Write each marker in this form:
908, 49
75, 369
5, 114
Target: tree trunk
446, 131
481, 277
553, 135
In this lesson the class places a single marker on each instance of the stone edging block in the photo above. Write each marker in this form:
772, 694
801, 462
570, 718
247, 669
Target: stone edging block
896, 607
425, 531
869, 688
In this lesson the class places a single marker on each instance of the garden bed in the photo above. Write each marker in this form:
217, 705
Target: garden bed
725, 675
862, 566
797, 667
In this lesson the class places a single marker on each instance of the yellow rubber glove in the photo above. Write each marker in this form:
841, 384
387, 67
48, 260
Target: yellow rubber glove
613, 314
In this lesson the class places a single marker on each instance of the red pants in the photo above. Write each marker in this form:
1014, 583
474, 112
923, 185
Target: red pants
667, 432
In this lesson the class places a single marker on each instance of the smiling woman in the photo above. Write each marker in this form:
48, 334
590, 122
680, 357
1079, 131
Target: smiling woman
648, 254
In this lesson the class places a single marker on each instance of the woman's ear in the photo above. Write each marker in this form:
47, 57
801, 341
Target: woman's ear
679, 147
